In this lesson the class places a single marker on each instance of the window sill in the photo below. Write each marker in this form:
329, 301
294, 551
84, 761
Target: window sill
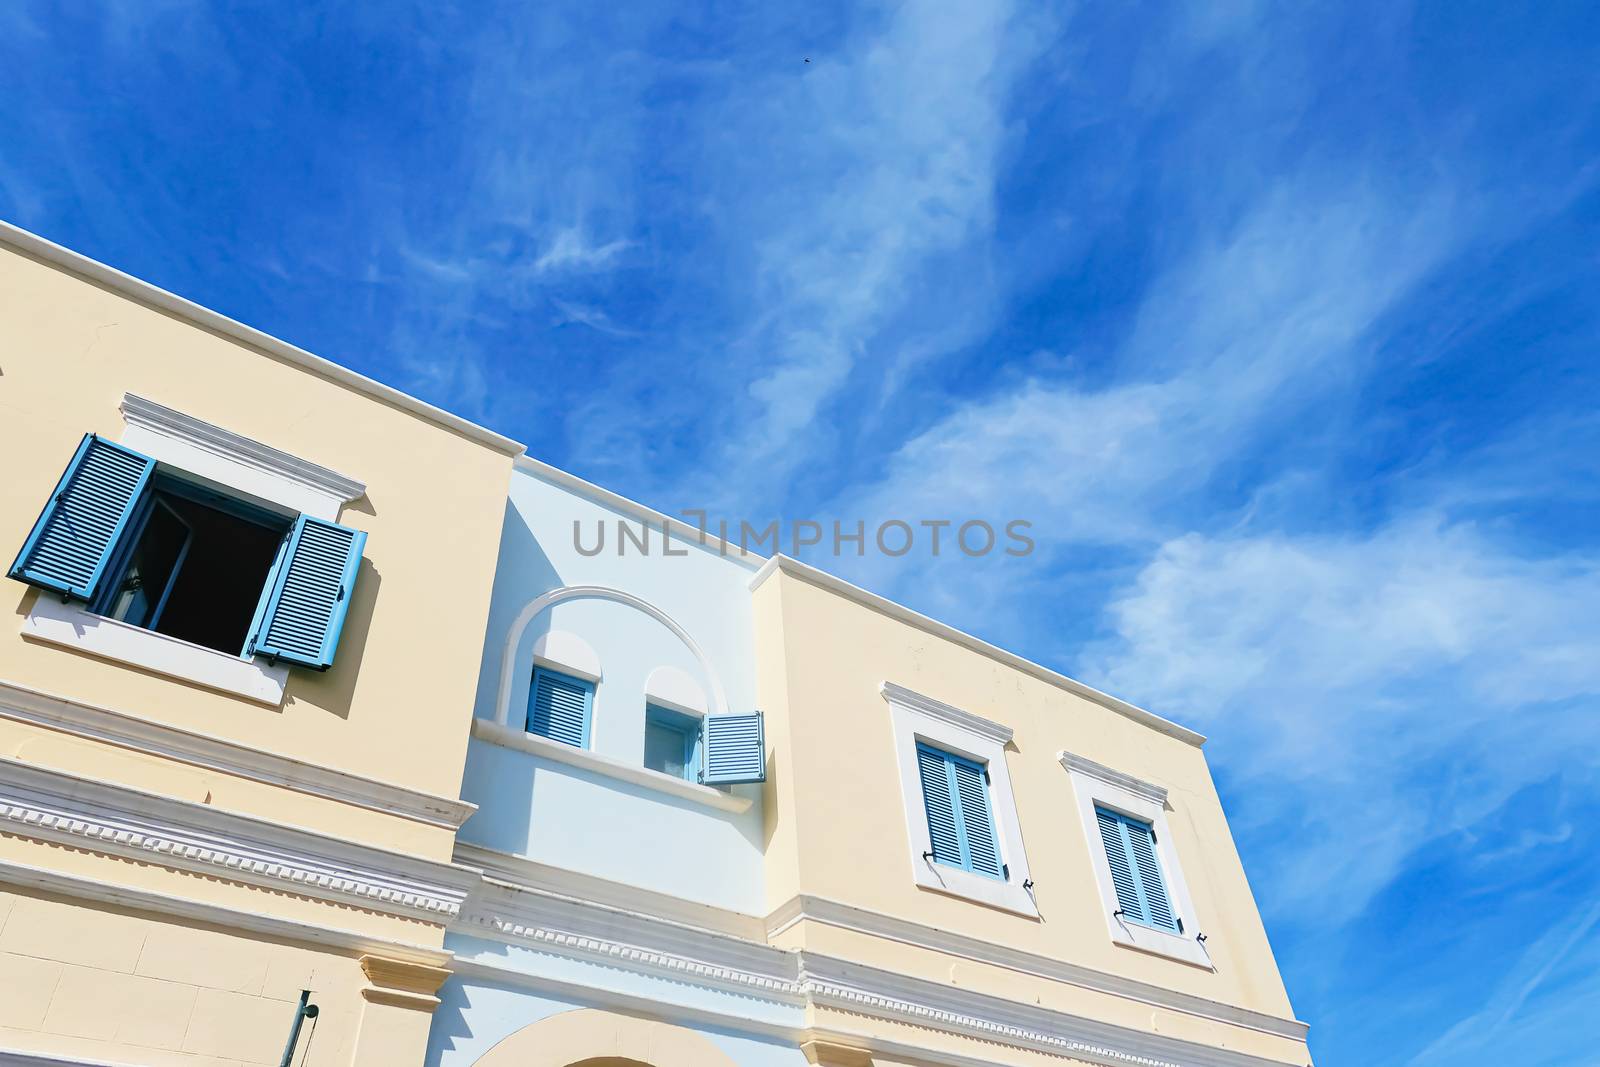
70, 626
1160, 943
1007, 896
583, 759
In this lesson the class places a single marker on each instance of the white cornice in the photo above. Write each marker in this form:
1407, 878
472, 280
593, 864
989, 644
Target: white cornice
617, 938
938, 709
53, 806
157, 418
115, 280
807, 573
1154, 793
186, 910
23, 704
857, 988
860, 920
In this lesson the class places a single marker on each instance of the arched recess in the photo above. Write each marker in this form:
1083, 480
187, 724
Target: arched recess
542, 603
589, 1037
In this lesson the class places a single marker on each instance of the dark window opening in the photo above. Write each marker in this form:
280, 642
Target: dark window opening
195, 570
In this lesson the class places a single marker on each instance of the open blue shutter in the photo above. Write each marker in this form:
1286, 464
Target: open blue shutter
79, 527
977, 820
1122, 875
734, 748
558, 708
938, 798
310, 592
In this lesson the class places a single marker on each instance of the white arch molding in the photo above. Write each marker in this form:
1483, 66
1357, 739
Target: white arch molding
542, 603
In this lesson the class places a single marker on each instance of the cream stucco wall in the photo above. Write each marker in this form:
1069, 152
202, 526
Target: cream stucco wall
397, 703
836, 822
93, 984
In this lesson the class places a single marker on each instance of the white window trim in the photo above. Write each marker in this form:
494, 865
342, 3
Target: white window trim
587, 760
920, 718
566, 653
70, 626
235, 462
1096, 784
675, 689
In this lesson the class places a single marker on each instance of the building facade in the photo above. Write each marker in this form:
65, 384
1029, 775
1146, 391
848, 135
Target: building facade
953, 857
317, 695
231, 740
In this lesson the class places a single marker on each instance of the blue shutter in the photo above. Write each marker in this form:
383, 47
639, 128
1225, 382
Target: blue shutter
955, 793
977, 820
938, 799
1135, 870
309, 593
735, 749
79, 527
559, 707
1142, 846
1122, 877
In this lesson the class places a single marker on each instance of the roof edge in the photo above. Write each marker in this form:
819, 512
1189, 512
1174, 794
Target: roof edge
807, 573
154, 296
643, 512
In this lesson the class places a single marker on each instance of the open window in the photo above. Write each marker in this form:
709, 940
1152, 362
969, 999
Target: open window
672, 742
147, 547
193, 565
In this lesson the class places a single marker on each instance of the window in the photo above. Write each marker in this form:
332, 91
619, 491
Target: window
1143, 894
193, 565
1135, 871
560, 707
962, 830
150, 549
672, 743
955, 792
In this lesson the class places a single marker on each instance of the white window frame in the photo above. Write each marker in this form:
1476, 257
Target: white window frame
1094, 784
922, 718
235, 465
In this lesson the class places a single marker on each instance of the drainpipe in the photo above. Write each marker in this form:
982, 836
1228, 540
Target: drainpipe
303, 1011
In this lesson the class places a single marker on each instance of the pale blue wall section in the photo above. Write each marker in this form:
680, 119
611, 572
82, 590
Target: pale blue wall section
563, 816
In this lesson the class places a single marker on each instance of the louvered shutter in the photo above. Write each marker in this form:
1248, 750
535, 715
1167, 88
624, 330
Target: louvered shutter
944, 830
1135, 870
558, 708
735, 749
70, 545
1142, 846
977, 821
309, 593
1122, 876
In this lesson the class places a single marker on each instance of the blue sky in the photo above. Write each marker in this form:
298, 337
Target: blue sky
1278, 322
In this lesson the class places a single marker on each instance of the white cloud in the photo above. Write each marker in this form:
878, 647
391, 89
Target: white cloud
1420, 668
1257, 327
1519, 1023
884, 157
571, 250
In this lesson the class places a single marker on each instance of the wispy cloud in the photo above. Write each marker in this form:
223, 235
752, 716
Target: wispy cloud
1337, 667
1517, 1024
1255, 329
571, 250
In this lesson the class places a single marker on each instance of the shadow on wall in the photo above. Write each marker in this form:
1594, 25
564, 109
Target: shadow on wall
523, 573
334, 689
